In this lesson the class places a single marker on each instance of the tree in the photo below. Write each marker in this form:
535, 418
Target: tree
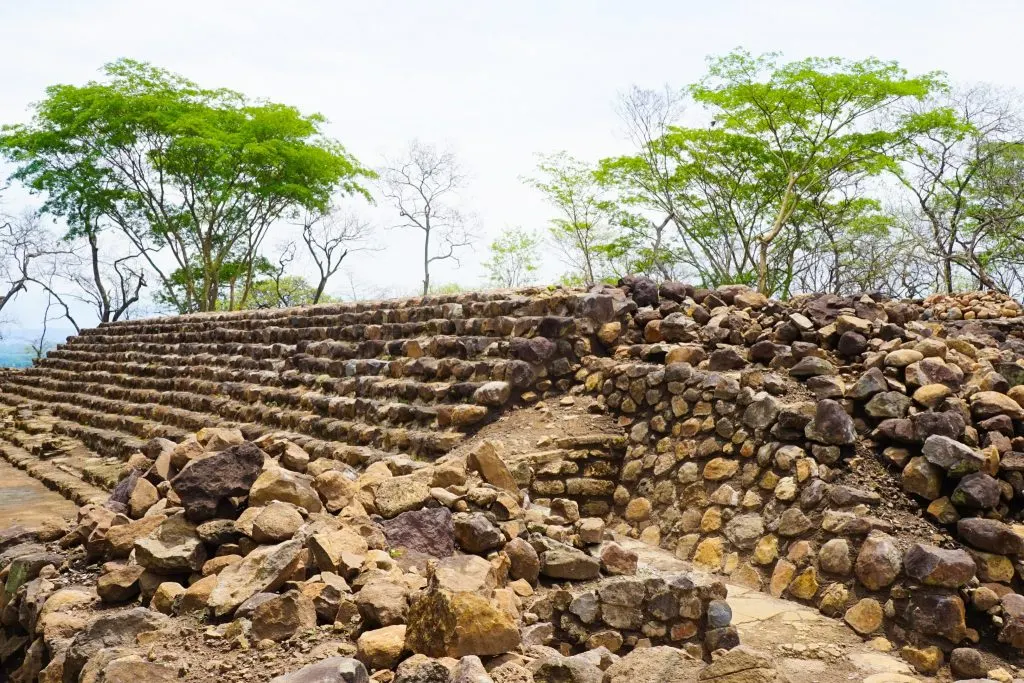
423, 185
646, 181
24, 244
330, 236
581, 227
818, 123
197, 174
513, 259
965, 176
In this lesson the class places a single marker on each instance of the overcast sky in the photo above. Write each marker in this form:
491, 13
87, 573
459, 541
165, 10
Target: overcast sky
497, 82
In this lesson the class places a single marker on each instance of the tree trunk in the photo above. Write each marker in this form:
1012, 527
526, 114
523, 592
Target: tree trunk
94, 253
426, 262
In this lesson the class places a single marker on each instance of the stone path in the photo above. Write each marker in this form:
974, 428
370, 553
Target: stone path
27, 502
809, 647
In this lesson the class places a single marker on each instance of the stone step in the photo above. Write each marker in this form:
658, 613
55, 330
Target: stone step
358, 408
521, 302
149, 419
53, 476
503, 326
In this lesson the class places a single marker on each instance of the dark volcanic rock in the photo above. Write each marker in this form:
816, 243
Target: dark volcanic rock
205, 482
991, 535
934, 566
429, 531
831, 425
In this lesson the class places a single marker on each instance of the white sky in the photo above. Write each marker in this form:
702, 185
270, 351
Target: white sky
497, 82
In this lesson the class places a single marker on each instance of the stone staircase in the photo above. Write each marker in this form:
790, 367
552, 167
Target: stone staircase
356, 382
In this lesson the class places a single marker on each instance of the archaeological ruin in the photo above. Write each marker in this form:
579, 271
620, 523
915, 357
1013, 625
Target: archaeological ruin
545, 484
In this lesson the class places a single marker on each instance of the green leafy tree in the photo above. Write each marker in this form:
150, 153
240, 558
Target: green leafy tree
818, 122
581, 227
193, 173
513, 258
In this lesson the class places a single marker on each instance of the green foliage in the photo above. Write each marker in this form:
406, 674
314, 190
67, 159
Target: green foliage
749, 194
581, 227
513, 258
194, 172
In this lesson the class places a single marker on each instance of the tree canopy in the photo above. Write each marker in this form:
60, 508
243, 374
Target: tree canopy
197, 173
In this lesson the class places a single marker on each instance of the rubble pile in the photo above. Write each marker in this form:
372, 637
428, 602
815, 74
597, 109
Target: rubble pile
420, 566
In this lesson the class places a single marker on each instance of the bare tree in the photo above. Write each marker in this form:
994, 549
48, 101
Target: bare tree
957, 176
424, 185
330, 236
23, 244
39, 347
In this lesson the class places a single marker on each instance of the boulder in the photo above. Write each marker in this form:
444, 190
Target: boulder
831, 425
878, 563
985, 404
979, 491
174, 547
523, 559
341, 551
330, 670
208, 480
264, 569
282, 616
990, 535
381, 648
119, 585
476, 534
956, 458
569, 563
396, 495
448, 624
429, 531
108, 630
935, 566
276, 522
486, 459
277, 483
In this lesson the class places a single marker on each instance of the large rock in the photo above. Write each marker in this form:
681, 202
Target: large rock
276, 522
569, 563
208, 480
341, 551
113, 629
951, 455
990, 535
979, 491
878, 563
831, 425
264, 569
429, 531
173, 548
401, 494
523, 559
938, 614
741, 664
330, 670
654, 665
277, 483
476, 534
382, 648
446, 624
986, 404
383, 603
934, 566
282, 616
559, 669
486, 459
